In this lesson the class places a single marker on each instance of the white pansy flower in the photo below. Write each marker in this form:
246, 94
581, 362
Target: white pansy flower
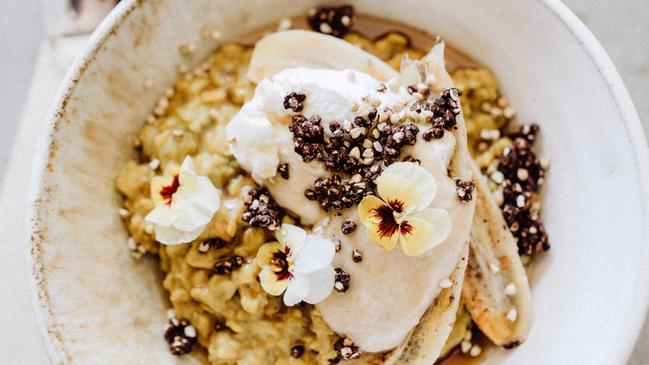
298, 265
401, 213
184, 205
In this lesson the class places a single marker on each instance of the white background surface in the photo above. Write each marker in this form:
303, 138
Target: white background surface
622, 26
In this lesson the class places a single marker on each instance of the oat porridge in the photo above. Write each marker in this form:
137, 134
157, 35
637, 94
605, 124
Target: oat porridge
252, 273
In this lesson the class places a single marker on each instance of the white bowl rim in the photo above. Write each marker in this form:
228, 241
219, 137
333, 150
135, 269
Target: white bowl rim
621, 350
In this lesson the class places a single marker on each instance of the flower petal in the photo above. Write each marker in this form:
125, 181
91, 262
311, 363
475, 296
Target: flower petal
292, 237
366, 209
386, 242
409, 183
298, 288
427, 229
322, 282
198, 199
170, 235
270, 283
317, 253
187, 165
266, 251
157, 183
163, 215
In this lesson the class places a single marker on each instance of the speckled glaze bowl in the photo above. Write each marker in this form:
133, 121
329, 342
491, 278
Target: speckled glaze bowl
96, 306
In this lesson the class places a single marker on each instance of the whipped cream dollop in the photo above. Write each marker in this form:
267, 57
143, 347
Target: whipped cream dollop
389, 290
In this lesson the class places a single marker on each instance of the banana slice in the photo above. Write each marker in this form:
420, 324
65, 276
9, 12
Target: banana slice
301, 48
425, 343
496, 291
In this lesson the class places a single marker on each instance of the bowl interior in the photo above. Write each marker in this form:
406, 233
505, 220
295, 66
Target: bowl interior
99, 307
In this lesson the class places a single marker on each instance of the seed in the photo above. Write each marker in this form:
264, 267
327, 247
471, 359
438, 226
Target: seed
356, 132
446, 283
475, 351
522, 174
465, 346
285, 24
520, 201
498, 177
190, 331
509, 112
154, 164
355, 153
377, 146
325, 28
123, 212
454, 93
512, 315
510, 289
131, 244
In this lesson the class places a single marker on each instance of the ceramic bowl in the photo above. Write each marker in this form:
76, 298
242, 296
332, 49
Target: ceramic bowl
96, 306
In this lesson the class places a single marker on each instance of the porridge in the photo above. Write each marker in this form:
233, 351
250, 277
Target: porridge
219, 306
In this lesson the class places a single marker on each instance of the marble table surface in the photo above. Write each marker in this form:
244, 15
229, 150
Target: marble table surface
34, 65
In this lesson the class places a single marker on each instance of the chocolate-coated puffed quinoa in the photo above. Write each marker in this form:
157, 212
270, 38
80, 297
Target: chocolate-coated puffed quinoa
180, 335
464, 190
335, 20
342, 281
282, 170
261, 210
348, 226
228, 265
346, 349
294, 101
357, 256
297, 351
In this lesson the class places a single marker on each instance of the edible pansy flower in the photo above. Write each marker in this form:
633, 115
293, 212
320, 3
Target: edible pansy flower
298, 265
401, 214
184, 204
